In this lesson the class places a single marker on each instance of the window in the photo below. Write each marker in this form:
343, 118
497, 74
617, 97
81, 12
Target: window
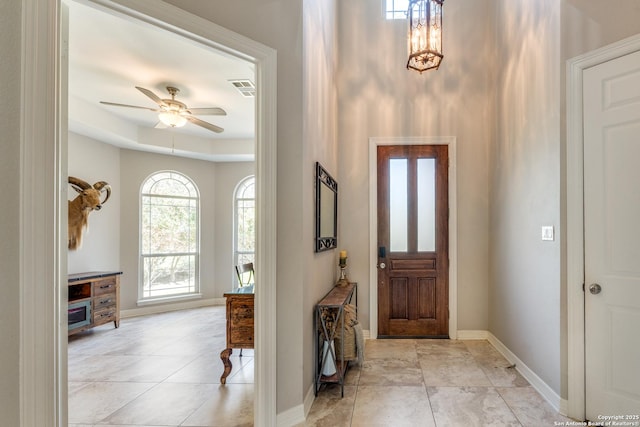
396, 9
169, 236
244, 234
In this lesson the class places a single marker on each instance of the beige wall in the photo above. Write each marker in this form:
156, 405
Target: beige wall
590, 24
93, 161
10, 30
228, 176
379, 97
524, 296
320, 144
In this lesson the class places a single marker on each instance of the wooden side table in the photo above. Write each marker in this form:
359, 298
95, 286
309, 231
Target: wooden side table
329, 323
239, 327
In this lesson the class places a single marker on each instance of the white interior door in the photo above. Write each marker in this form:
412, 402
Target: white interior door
612, 237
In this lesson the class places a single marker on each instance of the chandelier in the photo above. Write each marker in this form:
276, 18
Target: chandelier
425, 34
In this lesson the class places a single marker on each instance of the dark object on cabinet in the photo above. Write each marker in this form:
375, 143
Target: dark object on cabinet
245, 274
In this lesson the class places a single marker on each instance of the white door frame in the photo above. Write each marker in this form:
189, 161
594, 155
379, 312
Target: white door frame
43, 373
575, 217
374, 142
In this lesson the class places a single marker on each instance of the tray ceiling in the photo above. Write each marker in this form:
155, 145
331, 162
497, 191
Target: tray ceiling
109, 55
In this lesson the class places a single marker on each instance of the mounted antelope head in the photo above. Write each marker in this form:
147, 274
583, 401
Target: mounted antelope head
88, 199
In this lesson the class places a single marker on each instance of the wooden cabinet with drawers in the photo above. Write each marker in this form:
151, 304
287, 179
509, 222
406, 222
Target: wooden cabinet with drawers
94, 299
239, 327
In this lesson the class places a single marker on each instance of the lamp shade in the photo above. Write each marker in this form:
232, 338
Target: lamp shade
172, 118
425, 34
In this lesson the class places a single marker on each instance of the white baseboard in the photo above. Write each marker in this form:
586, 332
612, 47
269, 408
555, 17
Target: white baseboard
473, 335
564, 407
297, 414
536, 382
164, 308
309, 398
366, 334
291, 417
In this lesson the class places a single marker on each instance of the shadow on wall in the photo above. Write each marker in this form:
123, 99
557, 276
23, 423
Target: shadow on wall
389, 100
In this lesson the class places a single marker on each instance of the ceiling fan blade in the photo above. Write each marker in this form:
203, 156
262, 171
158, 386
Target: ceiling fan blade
155, 98
202, 123
127, 105
214, 111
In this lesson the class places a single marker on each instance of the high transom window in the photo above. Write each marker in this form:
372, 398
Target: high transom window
396, 9
169, 236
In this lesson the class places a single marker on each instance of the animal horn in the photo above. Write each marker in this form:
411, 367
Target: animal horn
103, 186
78, 184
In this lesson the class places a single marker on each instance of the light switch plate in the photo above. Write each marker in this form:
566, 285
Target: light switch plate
547, 232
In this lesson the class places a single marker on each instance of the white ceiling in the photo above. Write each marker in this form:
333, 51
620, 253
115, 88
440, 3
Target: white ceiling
109, 55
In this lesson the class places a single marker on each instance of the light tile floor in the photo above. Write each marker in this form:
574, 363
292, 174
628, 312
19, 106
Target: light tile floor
164, 370
432, 383
159, 370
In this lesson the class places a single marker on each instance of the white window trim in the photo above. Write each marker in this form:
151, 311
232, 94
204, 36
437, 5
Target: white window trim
173, 298
386, 11
142, 300
235, 221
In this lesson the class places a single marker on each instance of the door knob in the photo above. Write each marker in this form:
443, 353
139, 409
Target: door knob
595, 289
382, 265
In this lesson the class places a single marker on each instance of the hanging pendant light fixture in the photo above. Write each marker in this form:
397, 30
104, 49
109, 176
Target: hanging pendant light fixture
425, 34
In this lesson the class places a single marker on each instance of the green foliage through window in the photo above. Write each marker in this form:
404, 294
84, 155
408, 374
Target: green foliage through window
169, 222
245, 222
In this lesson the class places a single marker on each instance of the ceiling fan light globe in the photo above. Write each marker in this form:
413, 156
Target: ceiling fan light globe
172, 118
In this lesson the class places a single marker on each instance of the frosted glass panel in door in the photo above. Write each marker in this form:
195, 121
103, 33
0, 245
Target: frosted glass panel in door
398, 241
426, 205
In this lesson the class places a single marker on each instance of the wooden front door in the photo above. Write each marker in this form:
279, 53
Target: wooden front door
413, 241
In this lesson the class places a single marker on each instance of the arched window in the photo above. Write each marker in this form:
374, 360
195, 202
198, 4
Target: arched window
169, 236
244, 233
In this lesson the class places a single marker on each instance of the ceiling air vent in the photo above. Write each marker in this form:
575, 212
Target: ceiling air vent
245, 87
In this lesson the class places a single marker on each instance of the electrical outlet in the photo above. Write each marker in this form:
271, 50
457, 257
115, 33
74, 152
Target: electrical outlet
547, 232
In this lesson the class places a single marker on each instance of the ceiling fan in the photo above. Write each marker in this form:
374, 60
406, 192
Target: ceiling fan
175, 113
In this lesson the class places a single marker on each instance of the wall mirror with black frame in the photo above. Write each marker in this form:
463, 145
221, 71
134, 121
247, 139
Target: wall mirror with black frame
326, 210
